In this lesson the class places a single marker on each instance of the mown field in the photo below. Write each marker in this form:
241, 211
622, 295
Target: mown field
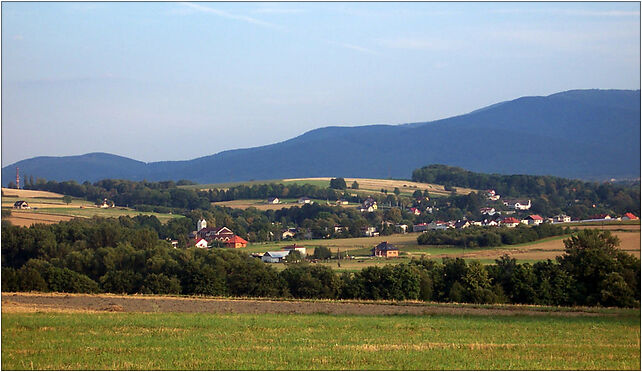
367, 185
48, 208
205, 341
539, 250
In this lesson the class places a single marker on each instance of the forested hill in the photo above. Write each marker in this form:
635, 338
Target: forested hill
587, 134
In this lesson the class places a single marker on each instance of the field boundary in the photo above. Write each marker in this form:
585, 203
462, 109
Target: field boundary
63, 302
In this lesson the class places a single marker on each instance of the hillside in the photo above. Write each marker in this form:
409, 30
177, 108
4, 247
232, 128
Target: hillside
588, 134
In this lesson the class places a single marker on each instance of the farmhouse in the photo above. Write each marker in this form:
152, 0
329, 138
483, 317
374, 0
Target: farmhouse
510, 222
304, 200
533, 219
21, 204
521, 205
201, 243
295, 247
462, 224
368, 205
236, 242
273, 200
629, 216
420, 227
369, 231
106, 204
384, 249
274, 257
221, 234
561, 218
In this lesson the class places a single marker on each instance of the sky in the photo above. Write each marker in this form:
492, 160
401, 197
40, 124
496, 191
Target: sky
177, 81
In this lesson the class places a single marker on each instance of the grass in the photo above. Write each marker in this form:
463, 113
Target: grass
161, 341
105, 212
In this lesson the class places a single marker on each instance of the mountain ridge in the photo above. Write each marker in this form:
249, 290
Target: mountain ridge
589, 134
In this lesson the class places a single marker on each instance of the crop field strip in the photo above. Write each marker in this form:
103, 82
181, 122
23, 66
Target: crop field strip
608, 339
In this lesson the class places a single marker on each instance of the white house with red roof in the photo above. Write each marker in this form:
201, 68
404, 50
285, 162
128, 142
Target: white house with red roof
510, 222
533, 219
629, 216
415, 211
201, 243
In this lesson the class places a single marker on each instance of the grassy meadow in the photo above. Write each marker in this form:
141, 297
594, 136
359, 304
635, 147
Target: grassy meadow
162, 341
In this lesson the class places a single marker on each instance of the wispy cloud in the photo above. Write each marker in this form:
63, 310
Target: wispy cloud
224, 14
353, 47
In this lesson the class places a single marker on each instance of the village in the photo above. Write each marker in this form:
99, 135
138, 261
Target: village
513, 213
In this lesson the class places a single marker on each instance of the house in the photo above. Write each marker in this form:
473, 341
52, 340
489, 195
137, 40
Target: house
490, 223
488, 210
415, 211
368, 205
533, 219
420, 227
462, 224
491, 195
439, 225
295, 247
21, 204
221, 234
369, 231
384, 249
201, 243
289, 233
341, 202
174, 243
561, 218
521, 205
510, 222
629, 216
273, 200
339, 229
304, 200
274, 257
402, 227
476, 223
106, 204
236, 242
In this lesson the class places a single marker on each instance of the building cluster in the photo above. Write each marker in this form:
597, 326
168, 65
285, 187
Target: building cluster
207, 237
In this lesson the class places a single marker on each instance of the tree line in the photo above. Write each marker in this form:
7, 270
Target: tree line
551, 195
478, 236
120, 257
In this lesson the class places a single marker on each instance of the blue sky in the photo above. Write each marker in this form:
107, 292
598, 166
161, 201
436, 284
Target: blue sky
176, 81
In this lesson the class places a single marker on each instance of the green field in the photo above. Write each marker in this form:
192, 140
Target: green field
161, 341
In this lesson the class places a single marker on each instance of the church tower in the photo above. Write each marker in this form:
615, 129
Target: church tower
201, 225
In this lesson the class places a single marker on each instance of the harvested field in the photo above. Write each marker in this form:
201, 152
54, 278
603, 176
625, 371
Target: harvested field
378, 184
26, 219
30, 193
55, 302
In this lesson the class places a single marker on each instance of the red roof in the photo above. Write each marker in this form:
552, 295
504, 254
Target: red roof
510, 220
631, 216
237, 239
535, 217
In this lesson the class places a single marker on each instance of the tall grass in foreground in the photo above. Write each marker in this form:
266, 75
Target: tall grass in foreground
109, 341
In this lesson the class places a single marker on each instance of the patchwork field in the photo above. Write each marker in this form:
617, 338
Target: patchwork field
48, 208
366, 185
544, 249
286, 335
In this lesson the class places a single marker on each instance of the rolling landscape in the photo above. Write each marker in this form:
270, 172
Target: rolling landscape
588, 134
321, 186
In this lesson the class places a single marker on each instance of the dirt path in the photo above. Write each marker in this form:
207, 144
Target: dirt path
56, 302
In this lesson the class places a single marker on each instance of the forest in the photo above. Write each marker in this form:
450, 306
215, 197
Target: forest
127, 256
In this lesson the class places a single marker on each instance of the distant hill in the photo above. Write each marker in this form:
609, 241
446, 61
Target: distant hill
587, 134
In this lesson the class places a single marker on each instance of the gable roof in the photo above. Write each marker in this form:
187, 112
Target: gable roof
385, 246
237, 239
535, 217
277, 254
630, 215
510, 220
